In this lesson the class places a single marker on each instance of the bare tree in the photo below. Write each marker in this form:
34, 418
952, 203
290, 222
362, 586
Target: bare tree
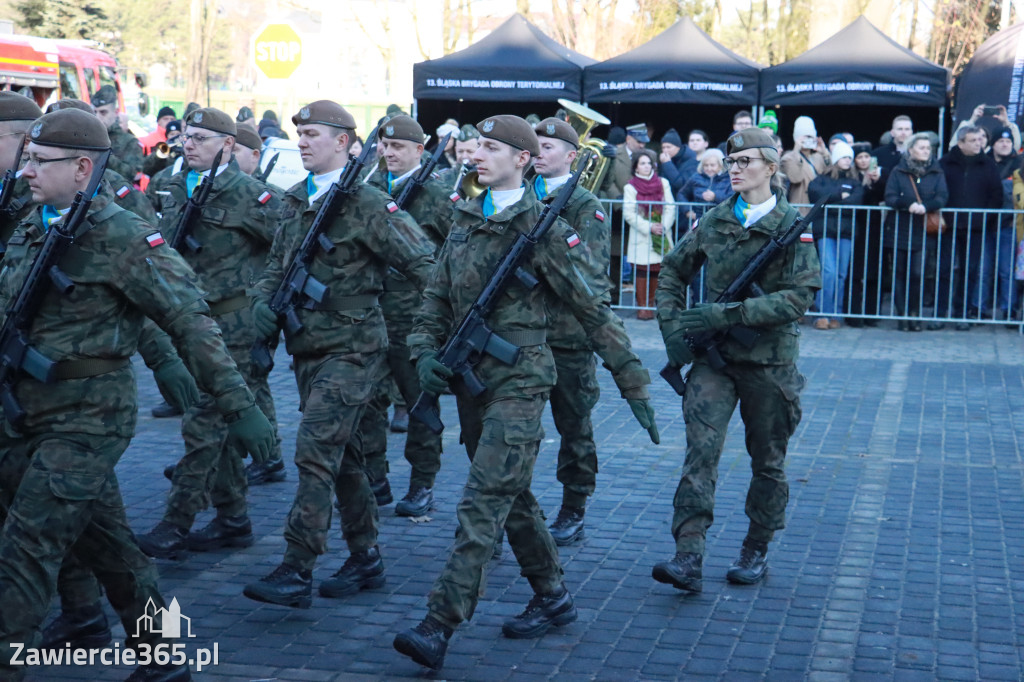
960, 26
202, 25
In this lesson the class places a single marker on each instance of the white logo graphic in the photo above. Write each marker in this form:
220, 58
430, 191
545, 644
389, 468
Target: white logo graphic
170, 621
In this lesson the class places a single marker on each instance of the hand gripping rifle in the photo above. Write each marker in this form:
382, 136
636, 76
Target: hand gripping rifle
193, 211
297, 284
744, 285
422, 175
17, 356
473, 338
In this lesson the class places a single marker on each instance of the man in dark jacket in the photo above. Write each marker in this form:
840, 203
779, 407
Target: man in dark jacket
678, 162
974, 182
1006, 157
889, 155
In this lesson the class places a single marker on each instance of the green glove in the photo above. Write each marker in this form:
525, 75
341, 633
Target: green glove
252, 431
433, 375
679, 353
644, 414
176, 384
709, 317
264, 319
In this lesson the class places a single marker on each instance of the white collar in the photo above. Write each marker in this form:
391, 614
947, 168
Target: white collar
323, 183
758, 211
220, 170
554, 183
502, 199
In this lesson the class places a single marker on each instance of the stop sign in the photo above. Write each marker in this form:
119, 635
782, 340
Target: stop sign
277, 50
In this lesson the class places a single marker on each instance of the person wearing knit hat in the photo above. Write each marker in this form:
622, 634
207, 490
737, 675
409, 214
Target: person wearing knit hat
1003, 153
677, 162
806, 161
502, 429
126, 150
769, 121
163, 117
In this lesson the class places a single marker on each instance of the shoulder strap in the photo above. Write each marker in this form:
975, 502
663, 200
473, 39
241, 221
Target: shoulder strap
913, 184
787, 220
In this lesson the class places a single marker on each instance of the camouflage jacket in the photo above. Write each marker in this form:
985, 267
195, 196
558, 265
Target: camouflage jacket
368, 239
156, 190
126, 156
431, 205
470, 255
721, 242
123, 272
21, 205
127, 197
585, 215
236, 231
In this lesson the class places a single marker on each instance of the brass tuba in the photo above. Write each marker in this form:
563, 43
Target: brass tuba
583, 119
469, 183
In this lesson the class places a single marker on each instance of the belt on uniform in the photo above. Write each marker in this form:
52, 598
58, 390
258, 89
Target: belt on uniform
336, 303
82, 369
228, 305
524, 337
399, 285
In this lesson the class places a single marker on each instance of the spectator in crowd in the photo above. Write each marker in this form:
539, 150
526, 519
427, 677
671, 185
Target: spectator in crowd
833, 235
890, 153
866, 261
1018, 236
356, 148
992, 119
769, 122
839, 137
677, 163
1000, 251
741, 120
698, 143
708, 187
447, 159
650, 212
633, 140
805, 161
1006, 157
915, 187
974, 183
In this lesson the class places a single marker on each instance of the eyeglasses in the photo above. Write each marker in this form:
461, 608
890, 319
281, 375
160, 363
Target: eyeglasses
198, 139
742, 162
34, 160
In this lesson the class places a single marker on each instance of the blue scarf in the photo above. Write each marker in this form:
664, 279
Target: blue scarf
488, 204
540, 186
192, 181
50, 216
740, 210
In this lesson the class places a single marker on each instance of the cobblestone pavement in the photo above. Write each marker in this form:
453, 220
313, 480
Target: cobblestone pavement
906, 523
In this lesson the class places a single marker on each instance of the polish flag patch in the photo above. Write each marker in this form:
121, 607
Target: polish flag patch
454, 196
154, 240
599, 215
124, 191
807, 238
572, 240
392, 207
264, 198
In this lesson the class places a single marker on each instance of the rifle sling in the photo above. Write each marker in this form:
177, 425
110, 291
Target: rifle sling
82, 369
524, 337
228, 305
339, 303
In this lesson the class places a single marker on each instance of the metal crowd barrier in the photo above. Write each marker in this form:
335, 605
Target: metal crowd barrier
879, 268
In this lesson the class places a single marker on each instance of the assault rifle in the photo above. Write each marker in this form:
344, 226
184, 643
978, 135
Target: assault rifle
422, 175
262, 176
473, 338
17, 356
193, 211
743, 286
8, 206
297, 285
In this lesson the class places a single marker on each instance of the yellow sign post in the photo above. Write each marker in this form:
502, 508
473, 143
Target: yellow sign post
277, 50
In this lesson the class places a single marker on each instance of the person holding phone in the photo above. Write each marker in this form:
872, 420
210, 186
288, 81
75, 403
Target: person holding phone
993, 119
806, 161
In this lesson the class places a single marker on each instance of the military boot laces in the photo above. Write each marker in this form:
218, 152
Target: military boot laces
426, 643
543, 611
684, 571
286, 586
752, 565
361, 571
165, 541
568, 527
417, 502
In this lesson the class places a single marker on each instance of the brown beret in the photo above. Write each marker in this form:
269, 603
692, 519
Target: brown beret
325, 112
247, 137
750, 138
511, 130
71, 103
71, 129
558, 129
104, 96
15, 107
212, 119
402, 127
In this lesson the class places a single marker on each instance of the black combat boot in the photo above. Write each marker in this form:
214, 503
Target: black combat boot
169, 471
165, 410
223, 531
752, 565
382, 491
161, 673
417, 502
165, 541
426, 643
543, 611
83, 628
568, 527
361, 571
285, 586
683, 571
271, 471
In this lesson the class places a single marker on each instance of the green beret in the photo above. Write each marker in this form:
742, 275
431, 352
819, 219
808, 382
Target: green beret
214, 120
71, 129
244, 114
750, 138
104, 96
325, 112
468, 132
394, 110
15, 107
558, 129
402, 127
511, 130
247, 137
71, 103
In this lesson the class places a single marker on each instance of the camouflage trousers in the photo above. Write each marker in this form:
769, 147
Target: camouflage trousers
333, 393
212, 471
502, 439
574, 396
769, 401
59, 495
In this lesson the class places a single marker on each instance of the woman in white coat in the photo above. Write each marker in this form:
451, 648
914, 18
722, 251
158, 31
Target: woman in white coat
650, 212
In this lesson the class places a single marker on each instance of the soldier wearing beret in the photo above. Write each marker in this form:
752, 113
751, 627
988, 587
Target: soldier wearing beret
764, 378
401, 146
340, 356
17, 113
576, 391
236, 230
502, 427
126, 157
57, 479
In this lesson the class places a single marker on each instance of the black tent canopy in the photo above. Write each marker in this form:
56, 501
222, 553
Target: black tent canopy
995, 75
681, 65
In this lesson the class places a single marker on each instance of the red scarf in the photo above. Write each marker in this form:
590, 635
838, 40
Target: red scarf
649, 190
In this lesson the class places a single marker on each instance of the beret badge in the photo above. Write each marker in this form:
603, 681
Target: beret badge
488, 126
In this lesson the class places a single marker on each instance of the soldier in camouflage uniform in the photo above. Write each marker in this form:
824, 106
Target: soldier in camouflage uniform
502, 427
764, 379
401, 143
235, 231
339, 357
17, 113
576, 391
126, 157
57, 481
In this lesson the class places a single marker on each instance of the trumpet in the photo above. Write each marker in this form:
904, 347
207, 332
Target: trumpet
163, 150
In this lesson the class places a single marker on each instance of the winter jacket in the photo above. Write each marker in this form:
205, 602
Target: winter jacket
838, 222
679, 169
904, 230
